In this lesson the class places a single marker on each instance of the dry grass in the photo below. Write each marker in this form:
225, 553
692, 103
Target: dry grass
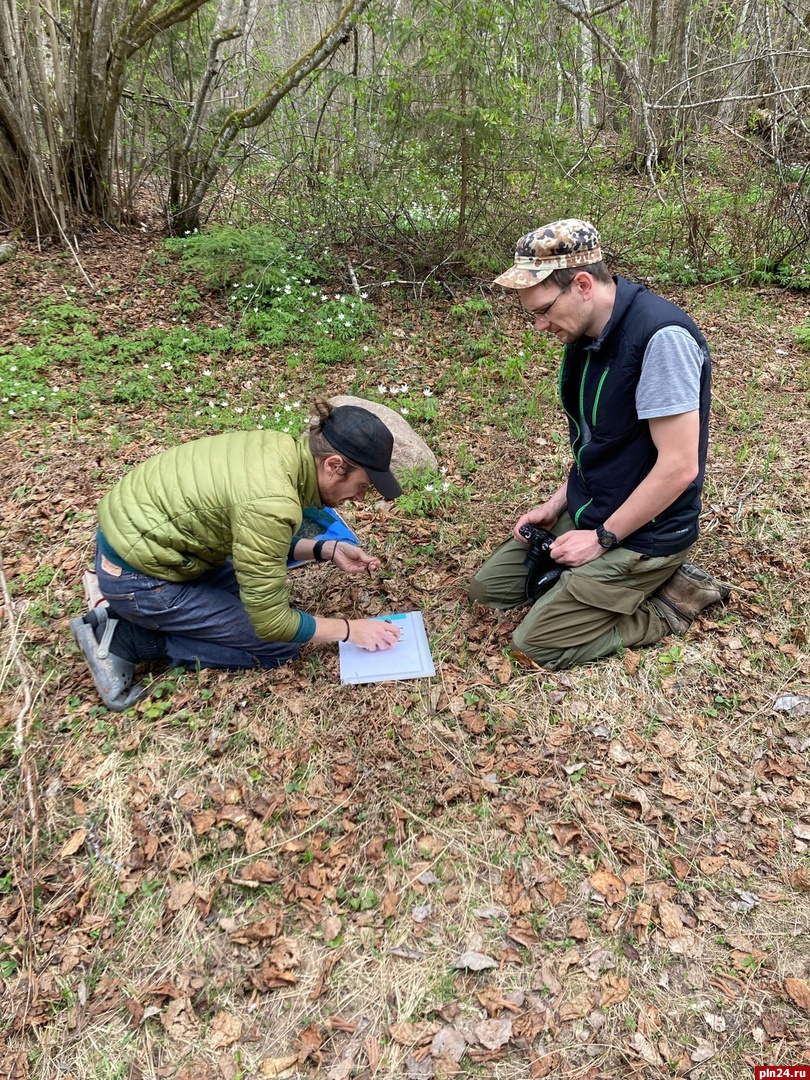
489, 809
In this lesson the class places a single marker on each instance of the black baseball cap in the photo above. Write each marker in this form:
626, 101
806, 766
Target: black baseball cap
363, 438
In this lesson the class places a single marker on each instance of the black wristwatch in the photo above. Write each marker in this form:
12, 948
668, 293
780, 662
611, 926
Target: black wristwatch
607, 539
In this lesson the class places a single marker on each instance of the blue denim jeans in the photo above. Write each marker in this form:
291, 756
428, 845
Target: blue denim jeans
204, 620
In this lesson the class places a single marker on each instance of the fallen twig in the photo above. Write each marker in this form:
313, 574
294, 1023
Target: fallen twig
20, 731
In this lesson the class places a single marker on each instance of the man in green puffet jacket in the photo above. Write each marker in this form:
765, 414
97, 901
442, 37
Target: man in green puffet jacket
193, 547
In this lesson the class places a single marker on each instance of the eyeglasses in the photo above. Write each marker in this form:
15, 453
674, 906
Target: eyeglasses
542, 313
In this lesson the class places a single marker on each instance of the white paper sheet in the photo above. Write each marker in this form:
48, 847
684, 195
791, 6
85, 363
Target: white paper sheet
409, 659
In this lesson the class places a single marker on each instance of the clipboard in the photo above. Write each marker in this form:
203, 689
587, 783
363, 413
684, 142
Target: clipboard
410, 658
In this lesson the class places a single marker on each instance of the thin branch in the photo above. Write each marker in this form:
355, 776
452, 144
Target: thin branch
27, 769
258, 112
582, 15
738, 97
743, 61
19, 734
211, 71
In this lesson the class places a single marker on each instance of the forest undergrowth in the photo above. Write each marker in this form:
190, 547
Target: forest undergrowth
494, 872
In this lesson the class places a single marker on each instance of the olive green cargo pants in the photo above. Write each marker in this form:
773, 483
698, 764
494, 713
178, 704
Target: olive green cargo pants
591, 611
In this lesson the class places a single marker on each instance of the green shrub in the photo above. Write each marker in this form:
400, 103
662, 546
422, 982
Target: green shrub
255, 260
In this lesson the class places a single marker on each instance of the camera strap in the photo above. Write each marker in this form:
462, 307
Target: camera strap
539, 580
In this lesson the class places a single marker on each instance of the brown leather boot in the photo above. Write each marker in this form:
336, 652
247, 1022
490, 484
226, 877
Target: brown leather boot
687, 593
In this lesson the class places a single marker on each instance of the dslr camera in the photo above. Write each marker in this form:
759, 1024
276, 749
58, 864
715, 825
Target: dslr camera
541, 570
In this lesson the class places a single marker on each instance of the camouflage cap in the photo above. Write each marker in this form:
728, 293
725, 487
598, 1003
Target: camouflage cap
570, 242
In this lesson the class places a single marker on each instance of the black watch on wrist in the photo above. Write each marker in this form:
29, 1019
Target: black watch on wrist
606, 539
317, 552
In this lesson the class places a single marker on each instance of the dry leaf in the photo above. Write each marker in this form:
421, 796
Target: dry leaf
474, 961
182, 892
228, 1068
279, 967
775, 1026
331, 927
71, 846
609, 885
261, 930
285, 954
493, 1034
613, 989
618, 753
799, 992
407, 1034
554, 891
670, 917
260, 871
578, 930
278, 1067
800, 879
702, 1052
373, 1053
225, 1030
577, 1007
565, 832
204, 821
742, 959
405, 953
631, 661
715, 1021
645, 1049
710, 864
528, 1025
550, 980
309, 1043
673, 789
448, 1043
680, 866
388, 907
548, 1065
416, 1068
494, 1002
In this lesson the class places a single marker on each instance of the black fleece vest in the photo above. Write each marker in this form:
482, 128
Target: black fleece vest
613, 450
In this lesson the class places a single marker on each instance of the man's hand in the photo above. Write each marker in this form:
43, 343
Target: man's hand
373, 634
352, 559
545, 516
577, 547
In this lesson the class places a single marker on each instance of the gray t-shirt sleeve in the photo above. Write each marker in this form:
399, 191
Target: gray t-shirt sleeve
670, 374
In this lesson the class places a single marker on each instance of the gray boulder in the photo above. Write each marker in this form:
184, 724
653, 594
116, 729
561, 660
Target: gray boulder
410, 450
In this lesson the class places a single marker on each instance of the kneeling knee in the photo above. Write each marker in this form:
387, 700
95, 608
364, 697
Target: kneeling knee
477, 591
553, 659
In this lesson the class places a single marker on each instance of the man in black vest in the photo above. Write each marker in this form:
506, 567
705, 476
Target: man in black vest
635, 387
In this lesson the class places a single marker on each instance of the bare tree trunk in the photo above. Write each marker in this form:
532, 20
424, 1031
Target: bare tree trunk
185, 216
60, 94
